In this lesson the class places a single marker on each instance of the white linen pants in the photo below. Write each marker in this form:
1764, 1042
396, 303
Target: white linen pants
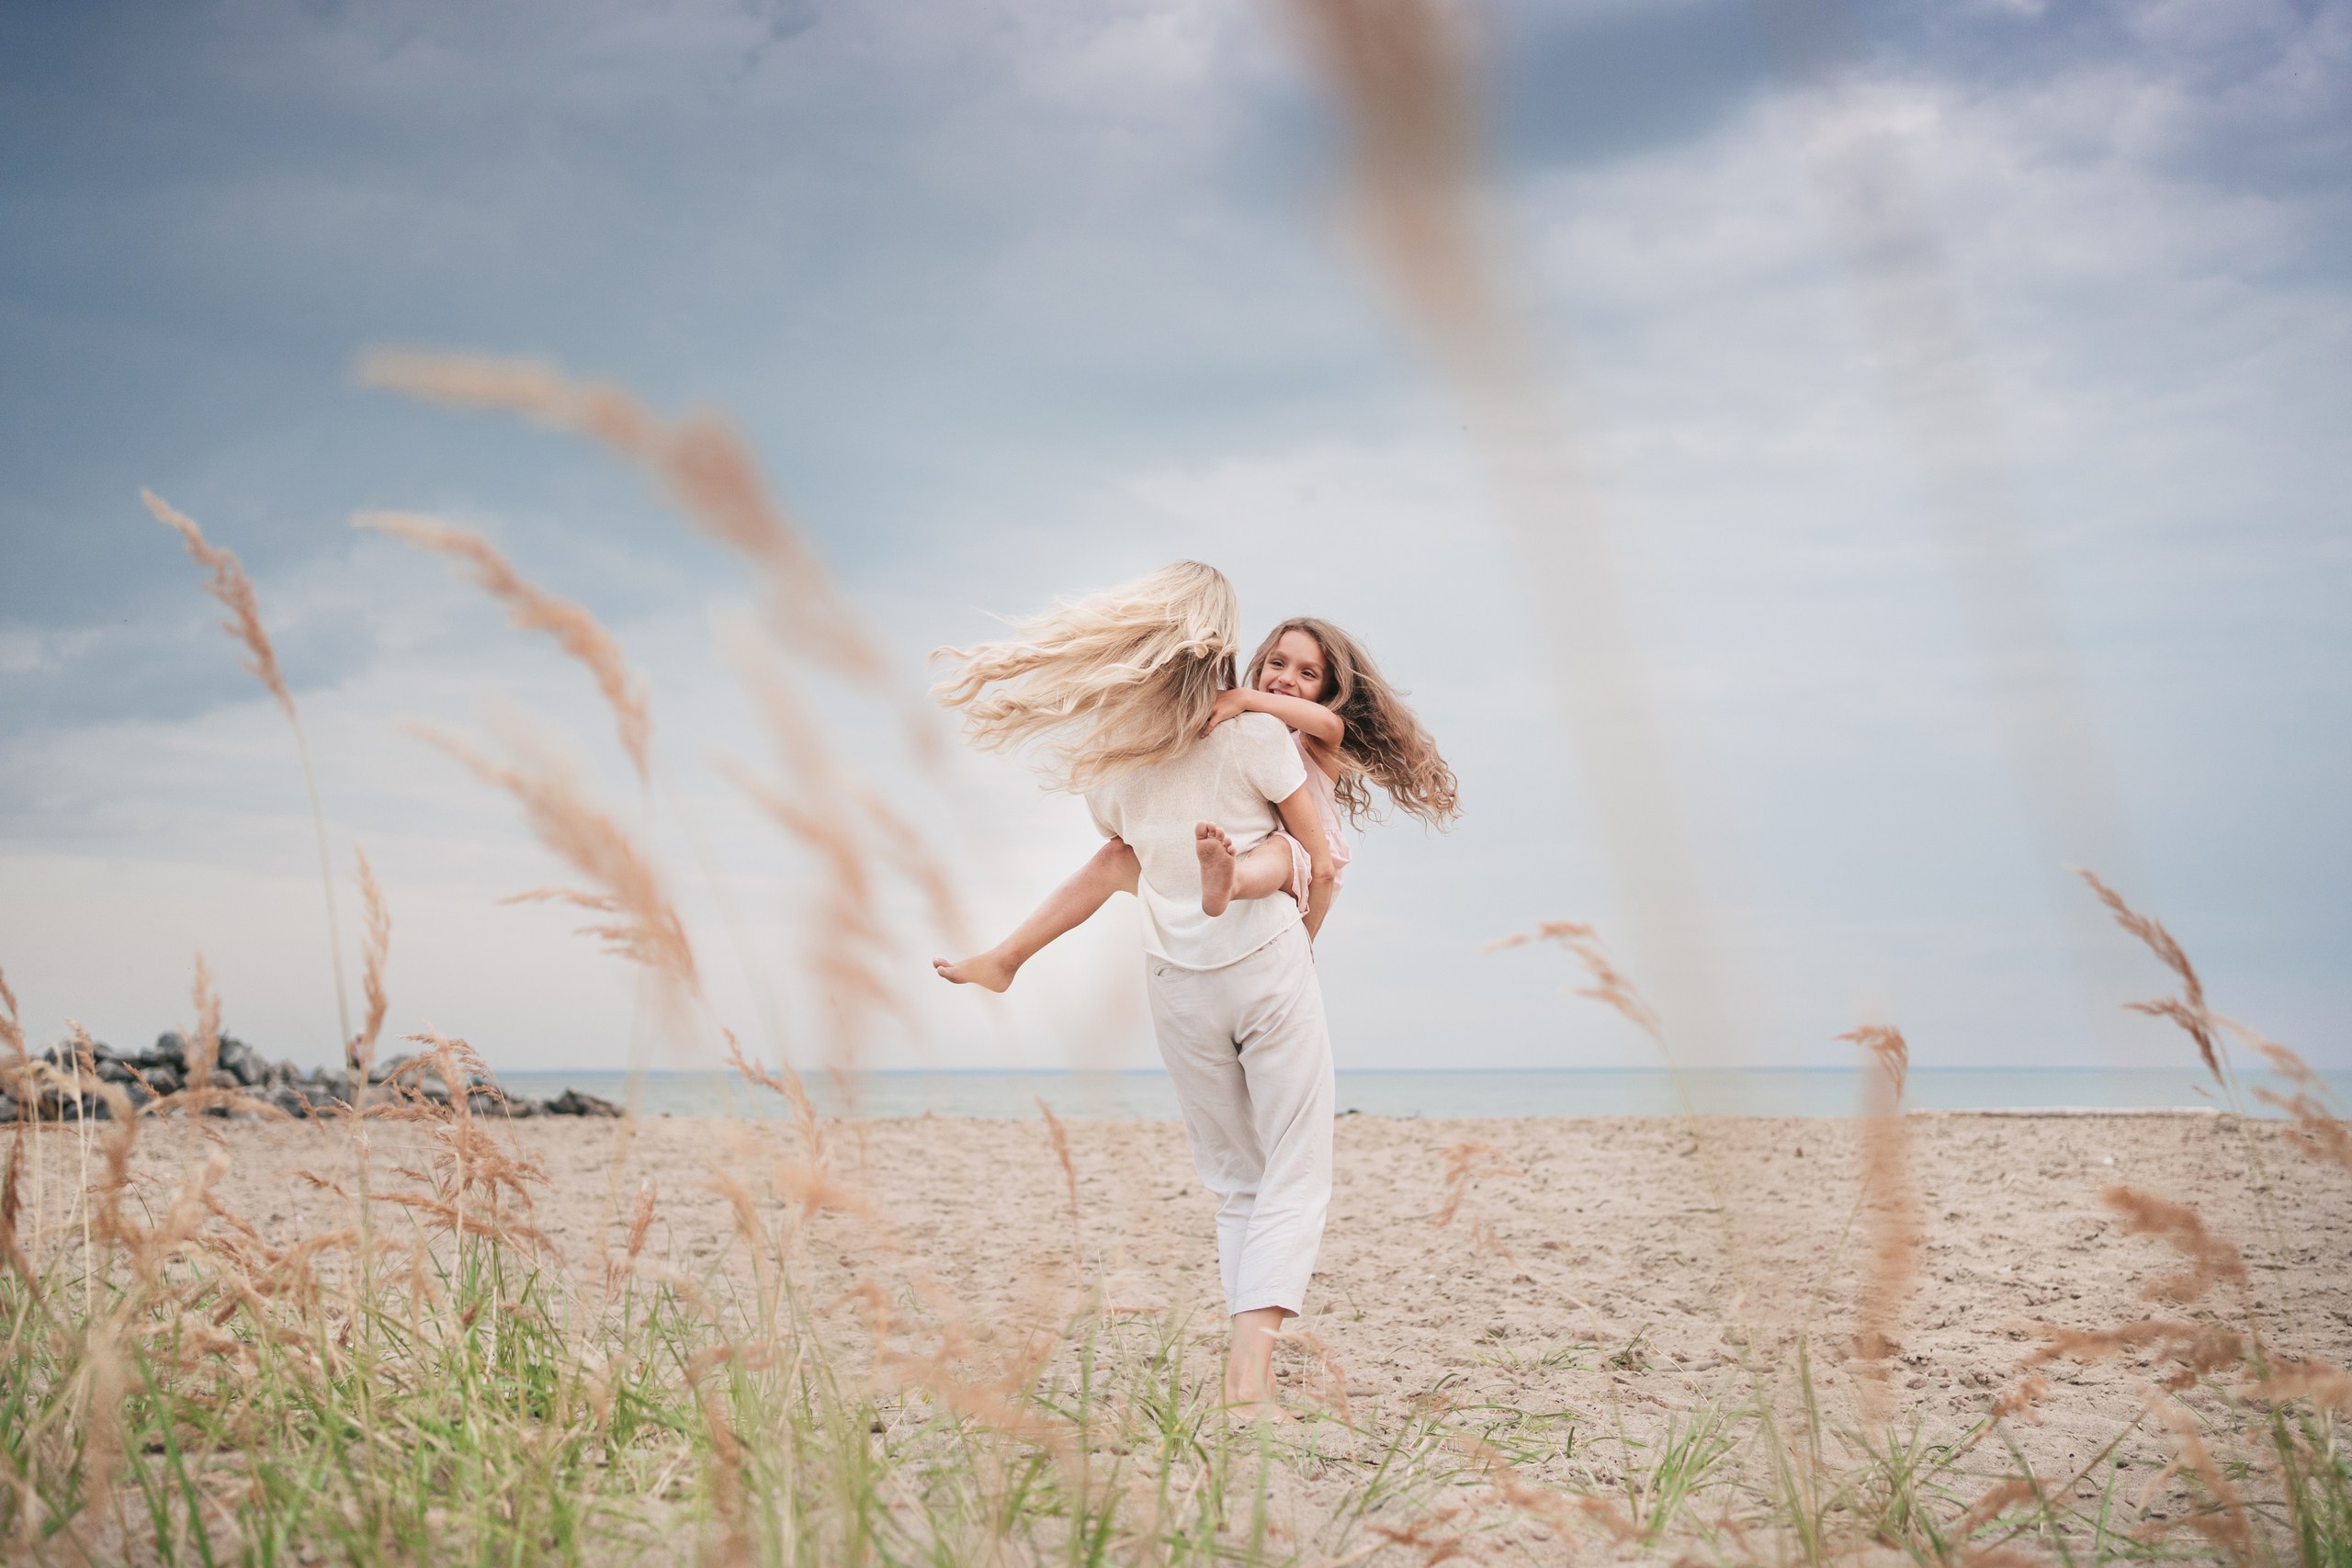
1252, 1060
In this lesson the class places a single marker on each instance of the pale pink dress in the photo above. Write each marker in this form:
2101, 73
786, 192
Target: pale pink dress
1326, 803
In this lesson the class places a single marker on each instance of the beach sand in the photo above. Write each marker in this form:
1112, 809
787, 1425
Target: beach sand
1597, 1275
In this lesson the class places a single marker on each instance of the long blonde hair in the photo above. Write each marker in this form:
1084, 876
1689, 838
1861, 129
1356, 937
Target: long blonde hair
1385, 740
1113, 681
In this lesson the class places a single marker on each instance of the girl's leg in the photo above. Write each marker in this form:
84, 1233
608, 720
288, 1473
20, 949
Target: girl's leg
1265, 871
1113, 870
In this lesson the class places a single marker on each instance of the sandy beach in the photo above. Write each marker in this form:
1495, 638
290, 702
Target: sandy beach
1578, 1281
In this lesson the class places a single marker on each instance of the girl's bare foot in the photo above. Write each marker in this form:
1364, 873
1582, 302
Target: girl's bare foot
985, 970
1216, 867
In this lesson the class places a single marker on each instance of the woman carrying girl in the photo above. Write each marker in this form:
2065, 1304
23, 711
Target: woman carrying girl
1124, 688
1349, 727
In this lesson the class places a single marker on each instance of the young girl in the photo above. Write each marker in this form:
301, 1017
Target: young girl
1349, 725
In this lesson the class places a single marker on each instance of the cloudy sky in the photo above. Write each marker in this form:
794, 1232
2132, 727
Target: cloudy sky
1019, 299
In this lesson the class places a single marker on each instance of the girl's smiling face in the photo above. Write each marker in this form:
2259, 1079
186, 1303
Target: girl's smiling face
1295, 668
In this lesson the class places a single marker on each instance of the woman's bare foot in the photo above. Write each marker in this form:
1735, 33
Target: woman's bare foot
1216, 867
1250, 1399
1249, 1366
985, 970
1248, 1412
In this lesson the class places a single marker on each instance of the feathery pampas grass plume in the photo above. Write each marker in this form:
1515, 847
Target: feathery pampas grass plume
2211, 1258
196, 1091
12, 1204
20, 1079
1610, 987
1465, 1163
702, 465
646, 929
1400, 74
852, 944
2188, 1009
2225, 1525
1889, 1049
1059, 1137
204, 1044
911, 856
11, 1030
1895, 1225
235, 590
2198, 1349
2313, 1122
2293, 1378
531, 608
361, 1055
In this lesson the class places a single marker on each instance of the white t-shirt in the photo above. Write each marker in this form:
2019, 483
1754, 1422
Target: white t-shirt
1231, 777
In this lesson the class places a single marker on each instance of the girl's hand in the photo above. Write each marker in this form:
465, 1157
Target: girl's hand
1229, 705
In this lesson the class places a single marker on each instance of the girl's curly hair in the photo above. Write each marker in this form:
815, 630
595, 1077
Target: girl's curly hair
1385, 742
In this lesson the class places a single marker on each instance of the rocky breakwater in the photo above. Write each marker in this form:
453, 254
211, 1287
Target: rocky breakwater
52, 1085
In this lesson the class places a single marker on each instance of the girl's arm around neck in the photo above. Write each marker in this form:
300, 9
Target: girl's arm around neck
1311, 720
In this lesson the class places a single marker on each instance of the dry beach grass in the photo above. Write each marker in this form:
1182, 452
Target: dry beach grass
963, 1340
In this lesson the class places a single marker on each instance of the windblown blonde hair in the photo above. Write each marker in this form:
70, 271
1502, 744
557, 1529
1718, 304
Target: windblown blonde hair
1385, 742
1113, 681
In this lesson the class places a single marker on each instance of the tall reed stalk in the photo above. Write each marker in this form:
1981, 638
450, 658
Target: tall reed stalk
235, 590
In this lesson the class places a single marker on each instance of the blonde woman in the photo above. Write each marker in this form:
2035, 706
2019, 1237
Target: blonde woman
1121, 688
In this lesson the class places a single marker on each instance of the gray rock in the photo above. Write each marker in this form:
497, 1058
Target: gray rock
242, 1059
7, 1108
223, 1079
572, 1102
292, 1102
169, 1050
163, 1079
113, 1070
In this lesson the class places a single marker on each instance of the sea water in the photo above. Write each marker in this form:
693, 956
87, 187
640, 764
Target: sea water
1427, 1094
